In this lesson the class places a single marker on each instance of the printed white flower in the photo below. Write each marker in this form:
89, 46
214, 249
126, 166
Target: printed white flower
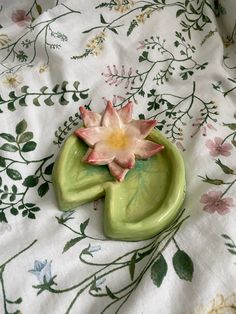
219, 305
115, 139
12, 80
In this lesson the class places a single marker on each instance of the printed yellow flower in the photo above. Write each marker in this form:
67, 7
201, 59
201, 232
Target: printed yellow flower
142, 17
12, 80
123, 6
115, 139
95, 45
43, 68
219, 305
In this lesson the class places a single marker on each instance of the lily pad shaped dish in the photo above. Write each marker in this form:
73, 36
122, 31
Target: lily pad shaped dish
141, 206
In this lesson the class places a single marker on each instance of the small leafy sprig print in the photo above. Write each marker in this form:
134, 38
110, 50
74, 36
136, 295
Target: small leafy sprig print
71, 122
59, 93
194, 16
178, 109
5, 299
155, 54
22, 52
136, 261
13, 198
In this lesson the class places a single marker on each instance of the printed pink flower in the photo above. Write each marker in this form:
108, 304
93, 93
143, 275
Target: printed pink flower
215, 203
115, 139
20, 18
217, 148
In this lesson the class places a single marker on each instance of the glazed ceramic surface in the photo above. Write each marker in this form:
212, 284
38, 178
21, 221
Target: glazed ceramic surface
141, 206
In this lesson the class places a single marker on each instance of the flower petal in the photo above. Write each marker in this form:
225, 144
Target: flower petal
210, 144
125, 159
116, 171
91, 135
110, 117
90, 118
84, 158
145, 149
125, 113
218, 141
141, 128
100, 155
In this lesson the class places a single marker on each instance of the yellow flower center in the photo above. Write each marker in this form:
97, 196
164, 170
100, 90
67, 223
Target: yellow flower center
12, 81
118, 139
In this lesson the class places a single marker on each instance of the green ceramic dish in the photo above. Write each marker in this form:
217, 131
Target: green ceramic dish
141, 206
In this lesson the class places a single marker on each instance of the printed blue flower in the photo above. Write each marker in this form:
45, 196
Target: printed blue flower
42, 270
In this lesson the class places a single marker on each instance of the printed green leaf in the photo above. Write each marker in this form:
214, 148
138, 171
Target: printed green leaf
132, 266
12, 95
55, 88
110, 294
75, 97
76, 84
63, 101
36, 101
35, 209
11, 106
31, 181
14, 189
8, 137
132, 26
113, 30
3, 217
159, 271
29, 146
31, 215
48, 101
9, 147
63, 85
22, 101
225, 168
24, 89
38, 8
71, 243
183, 265
13, 174
179, 12
21, 127
232, 126
232, 251
2, 162
102, 19
48, 169
226, 236
25, 137
43, 89
43, 189
14, 211
83, 226
145, 253
83, 96
143, 57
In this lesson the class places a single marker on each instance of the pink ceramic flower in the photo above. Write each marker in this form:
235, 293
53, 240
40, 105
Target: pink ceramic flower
215, 203
217, 148
20, 18
115, 139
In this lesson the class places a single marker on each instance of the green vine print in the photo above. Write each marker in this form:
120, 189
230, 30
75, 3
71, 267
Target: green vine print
151, 251
225, 91
71, 122
6, 301
24, 49
194, 18
136, 82
12, 199
44, 95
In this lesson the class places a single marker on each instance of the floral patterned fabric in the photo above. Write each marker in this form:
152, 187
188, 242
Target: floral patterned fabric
175, 60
